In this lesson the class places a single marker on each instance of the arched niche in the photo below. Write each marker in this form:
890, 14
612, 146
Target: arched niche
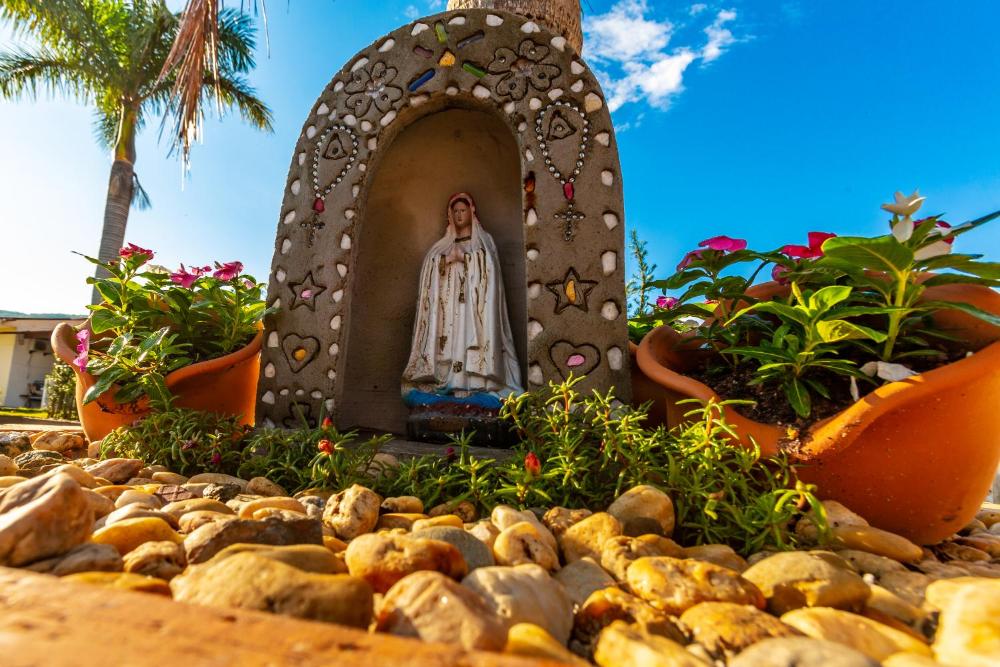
518, 85
456, 149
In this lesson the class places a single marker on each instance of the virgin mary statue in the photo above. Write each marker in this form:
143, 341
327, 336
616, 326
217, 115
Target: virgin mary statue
462, 346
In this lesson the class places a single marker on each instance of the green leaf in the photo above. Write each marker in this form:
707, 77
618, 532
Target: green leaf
833, 331
156, 388
959, 279
151, 342
103, 320
783, 311
103, 383
798, 397
826, 298
883, 253
963, 307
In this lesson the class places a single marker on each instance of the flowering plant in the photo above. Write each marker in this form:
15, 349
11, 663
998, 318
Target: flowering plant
854, 310
150, 322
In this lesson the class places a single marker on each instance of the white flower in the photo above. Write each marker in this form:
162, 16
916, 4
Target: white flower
886, 371
905, 206
903, 229
934, 249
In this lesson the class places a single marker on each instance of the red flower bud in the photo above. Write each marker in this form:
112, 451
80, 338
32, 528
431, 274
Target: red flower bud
325, 446
327, 422
532, 465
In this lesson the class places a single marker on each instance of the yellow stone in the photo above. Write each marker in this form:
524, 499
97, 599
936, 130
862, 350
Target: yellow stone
530, 640
112, 491
299, 354
128, 534
444, 520
874, 639
10, 480
404, 520
571, 291
623, 645
333, 544
875, 541
124, 580
969, 626
447, 59
247, 511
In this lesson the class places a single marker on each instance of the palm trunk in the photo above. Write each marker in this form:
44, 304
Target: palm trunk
120, 188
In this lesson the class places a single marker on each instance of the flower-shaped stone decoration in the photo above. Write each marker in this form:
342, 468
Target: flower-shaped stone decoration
520, 70
371, 84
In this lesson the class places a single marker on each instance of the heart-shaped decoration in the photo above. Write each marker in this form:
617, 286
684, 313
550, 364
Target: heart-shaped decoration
299, 351
576, 359
341, 144
555, 123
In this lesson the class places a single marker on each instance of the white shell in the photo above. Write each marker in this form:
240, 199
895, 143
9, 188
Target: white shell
531, 219
388, 118
610, 310
481, 92
269, 371
272, 339
493, 21
615, 358
592, 102
607, 178
359, 64
609, 262
534, 328
418, 28
268, 397
611, 220
535, 374
289, 218
345, 242
559, 42
387, 45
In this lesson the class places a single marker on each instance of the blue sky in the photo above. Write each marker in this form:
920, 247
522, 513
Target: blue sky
762, 119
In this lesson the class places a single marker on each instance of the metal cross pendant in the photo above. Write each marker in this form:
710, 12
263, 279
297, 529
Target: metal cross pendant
570, 217
312, 224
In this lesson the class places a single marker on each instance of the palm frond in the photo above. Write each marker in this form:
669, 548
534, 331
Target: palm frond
237, 41
24, 72
140, 198
234, 91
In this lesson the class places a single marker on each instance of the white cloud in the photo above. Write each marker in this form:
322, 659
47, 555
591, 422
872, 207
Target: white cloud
719, 37
411, 12
629, 48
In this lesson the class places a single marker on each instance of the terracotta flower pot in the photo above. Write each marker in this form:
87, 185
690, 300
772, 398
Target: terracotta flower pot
915, 457
226, 385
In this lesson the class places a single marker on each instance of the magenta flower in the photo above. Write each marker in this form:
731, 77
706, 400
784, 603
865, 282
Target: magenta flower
132, 250
186, 277
216, 458
227, 271
666, 302
779, 273
692, 256
82, 349
812, 251
723, 244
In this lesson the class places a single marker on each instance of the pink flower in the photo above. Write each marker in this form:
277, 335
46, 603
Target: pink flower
186, 277
666, 302
216, 458
813, 250
132, 250
249, 284
779, 273
692, 256
227, 271
723, 244
82, 349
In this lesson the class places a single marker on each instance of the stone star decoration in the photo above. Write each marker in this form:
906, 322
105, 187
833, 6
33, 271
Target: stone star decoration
304, 293
571, 291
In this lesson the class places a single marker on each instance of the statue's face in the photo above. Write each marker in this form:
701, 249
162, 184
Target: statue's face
462, 216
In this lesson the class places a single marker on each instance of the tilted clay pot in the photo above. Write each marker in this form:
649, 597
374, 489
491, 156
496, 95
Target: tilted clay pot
915, 457
226, 385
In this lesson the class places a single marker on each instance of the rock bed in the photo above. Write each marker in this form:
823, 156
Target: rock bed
608, 587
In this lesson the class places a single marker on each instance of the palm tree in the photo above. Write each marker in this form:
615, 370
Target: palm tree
109, 54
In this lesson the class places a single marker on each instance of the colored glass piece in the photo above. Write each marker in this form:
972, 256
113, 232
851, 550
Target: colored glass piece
421, 80
447, 59
473, 69
529, 183
575, 360
421, 51
441, 33
471, 39
300, 354
568, 190
318, 205
571, 291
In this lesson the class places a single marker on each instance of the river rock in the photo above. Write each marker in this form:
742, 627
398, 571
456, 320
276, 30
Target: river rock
558, 519
434, 607
910, 660
211, 538
169, 478
87, 557
521, 543
808, 579
172, 493
620, 552
908, 585
608, 605
129, 534
622, 645
720, 554
58, 441
531, 641
874, 639
102, 506
581, 578
306, 557
801, 652
504, 516
7, 466
485, 532
192, 521
135, 512
463, 509
41, 518
673, 585
587, 537
395, 520
836, 515
383, 559
869, 563
888, 604
440, 521
525, 594
14, 443
402, 505
969, 625
352, 512
163, 560
272, 502
31, 464
876, 541
221, 492
262, 486
126, 581
724, 628
218, 478
182, 507
475, 553
115, 471
642, 510
133, 497
248, 581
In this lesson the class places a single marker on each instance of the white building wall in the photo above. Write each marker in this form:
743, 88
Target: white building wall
20, 365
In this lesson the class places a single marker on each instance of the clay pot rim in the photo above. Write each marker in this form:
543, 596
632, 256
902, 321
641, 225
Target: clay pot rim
827, 436
63, 337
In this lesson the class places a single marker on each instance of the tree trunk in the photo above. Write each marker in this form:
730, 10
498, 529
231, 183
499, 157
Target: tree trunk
116, 207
